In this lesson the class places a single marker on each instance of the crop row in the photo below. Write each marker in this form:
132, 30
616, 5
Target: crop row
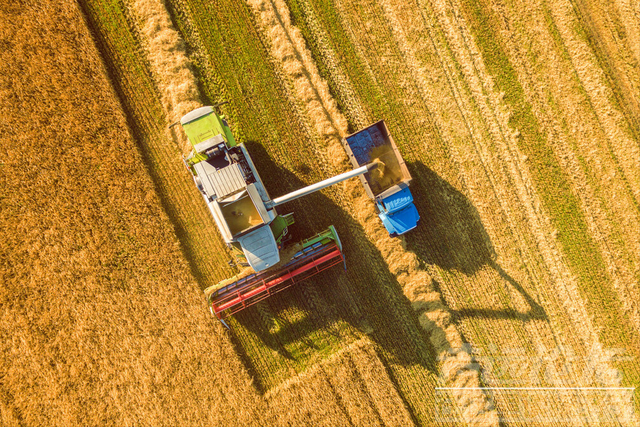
469, 254
372, 296
554, 187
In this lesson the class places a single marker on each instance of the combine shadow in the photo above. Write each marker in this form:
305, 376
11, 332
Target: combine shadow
451, 236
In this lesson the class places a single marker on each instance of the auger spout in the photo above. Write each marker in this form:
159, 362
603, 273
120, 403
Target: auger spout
322, 184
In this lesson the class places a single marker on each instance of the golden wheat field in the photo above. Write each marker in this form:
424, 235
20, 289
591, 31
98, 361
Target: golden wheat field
516, 301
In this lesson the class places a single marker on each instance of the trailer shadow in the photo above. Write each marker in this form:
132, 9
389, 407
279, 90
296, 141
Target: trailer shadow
451, 236
318, 317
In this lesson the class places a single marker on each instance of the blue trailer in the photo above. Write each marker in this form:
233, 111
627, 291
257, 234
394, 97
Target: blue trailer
387, 186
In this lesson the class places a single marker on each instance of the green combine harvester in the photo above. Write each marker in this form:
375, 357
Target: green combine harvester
248, 220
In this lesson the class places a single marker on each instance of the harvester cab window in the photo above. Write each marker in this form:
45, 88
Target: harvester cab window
217, 157
209, 144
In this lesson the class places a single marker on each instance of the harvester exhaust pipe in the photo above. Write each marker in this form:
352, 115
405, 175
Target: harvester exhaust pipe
323, 184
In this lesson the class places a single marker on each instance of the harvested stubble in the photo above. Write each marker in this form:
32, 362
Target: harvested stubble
587, 152
366, 297
288, 46
102, 321
482, 170
593, 141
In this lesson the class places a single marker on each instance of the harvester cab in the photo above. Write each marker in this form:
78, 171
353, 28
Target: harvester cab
247, 218
232, 189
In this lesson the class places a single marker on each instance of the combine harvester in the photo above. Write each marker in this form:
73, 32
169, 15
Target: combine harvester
247, 219
388, 186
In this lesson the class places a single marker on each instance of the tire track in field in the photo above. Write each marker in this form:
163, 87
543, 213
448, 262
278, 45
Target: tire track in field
630, 15
497, 118
540, 222
288, 46
625, 151
611, 215
603, 28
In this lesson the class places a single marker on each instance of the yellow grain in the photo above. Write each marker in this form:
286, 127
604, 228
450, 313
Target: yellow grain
92, 272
